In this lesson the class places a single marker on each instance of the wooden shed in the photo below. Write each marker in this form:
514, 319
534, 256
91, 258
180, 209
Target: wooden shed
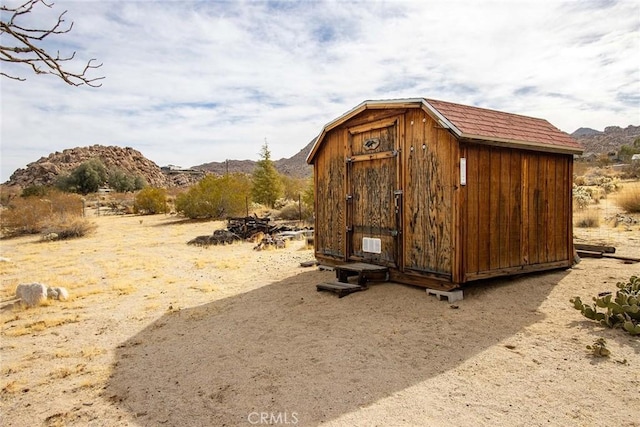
441, 194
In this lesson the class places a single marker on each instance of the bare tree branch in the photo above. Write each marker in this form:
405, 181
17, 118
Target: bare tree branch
24, 49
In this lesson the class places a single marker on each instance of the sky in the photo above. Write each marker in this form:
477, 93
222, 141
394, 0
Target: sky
192, 82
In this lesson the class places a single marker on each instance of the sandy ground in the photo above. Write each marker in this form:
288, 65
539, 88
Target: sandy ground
161, 333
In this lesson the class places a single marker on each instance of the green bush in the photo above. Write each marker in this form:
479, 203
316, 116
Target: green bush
150, 201
216, 197
36, 190
622, 311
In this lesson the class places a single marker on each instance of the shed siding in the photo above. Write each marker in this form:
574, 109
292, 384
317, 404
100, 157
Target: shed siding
330, 194
515, 210
428, 177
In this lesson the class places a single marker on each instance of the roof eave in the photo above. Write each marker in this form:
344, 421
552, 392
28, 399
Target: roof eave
525, 145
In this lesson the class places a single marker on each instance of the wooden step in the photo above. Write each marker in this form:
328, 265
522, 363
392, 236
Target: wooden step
365, 272
340, 288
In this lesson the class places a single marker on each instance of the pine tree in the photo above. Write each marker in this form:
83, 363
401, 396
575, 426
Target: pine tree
267, 183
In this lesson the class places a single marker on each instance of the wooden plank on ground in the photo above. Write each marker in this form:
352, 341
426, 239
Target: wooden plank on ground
595, 248
589, 254
622, 258
342, 289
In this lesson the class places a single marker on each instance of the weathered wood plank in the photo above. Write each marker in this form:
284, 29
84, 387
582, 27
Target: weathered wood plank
372, 126
515, 218
494, 225
589, 254
484, 209
595, 248
504, 207
472, 216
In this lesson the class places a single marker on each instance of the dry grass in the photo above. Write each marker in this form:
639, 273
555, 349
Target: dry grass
124, 288
91, 352
12, 387
40, 325
589, 218
629, 198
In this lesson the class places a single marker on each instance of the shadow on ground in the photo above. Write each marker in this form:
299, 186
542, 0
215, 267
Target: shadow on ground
285, 348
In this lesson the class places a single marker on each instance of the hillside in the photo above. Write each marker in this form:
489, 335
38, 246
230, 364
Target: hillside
295, 166
611, 139
46, 170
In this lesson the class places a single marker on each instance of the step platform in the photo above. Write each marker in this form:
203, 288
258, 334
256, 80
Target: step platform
341, 289
363, 273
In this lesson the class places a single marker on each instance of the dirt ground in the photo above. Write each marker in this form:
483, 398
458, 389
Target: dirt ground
161, 333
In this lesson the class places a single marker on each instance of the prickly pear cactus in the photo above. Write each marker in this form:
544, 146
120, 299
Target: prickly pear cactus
621, 311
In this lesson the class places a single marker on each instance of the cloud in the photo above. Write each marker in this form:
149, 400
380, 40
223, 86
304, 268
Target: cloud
193, 82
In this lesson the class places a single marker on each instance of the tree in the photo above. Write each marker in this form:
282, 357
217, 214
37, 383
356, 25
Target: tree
122, 183
267, 184
84, 179
23, 45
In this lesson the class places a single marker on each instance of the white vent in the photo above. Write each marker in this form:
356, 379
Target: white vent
371, 245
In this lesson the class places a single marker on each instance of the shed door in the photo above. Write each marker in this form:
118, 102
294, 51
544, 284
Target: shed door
373, 211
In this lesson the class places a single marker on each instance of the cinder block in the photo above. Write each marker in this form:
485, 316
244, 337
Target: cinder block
452, 296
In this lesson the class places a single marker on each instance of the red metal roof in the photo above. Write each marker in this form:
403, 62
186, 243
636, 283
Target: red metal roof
480, 123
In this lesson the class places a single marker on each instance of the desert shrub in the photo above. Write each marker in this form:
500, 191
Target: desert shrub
632, 170
629, 199
150, 201
581, 196
588, 219
293, 187
215, 197
580, 180
292, 211
24, 216
308, 197
608, 184
35, 190
621, 311
68, 228
32, 215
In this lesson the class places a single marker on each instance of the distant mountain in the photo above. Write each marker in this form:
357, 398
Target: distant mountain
610, 140
295, 166
582, 132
